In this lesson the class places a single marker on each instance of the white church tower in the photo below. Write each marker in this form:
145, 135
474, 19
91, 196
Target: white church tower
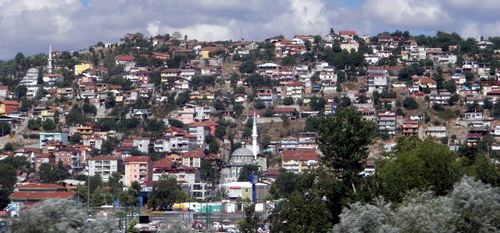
255, 146
49, 63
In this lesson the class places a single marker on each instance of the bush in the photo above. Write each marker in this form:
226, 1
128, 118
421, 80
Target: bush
410, 103
288, 101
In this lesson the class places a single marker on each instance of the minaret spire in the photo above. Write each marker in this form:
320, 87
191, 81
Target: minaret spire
254, 135
49, 64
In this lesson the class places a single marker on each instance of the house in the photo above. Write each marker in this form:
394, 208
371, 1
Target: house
53, 137
80, 68
193, 158
299, 160
473, 116
26, 198
138, 168
4, 92
44, 158
127, 61
244, 48
267, 96
436, 131
243, 190
161, 56
387, 122
240, 98
203, 129
209, 52
8, 106
349, 45
348, 34
51, 79
104, 166
179, 140
142, 144
140, 113
289, 111
294, 90
377, 82
441, 97
410, 127
307, 141
427, 83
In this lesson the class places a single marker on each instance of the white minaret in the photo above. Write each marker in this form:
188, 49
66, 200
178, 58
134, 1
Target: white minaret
254, 136
49, 65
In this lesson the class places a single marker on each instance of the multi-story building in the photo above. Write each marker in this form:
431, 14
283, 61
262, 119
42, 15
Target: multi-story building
387, 122
193, 158
299, 160
267, 96
410, 127
138, 168
377, 82
307, 141
104, 166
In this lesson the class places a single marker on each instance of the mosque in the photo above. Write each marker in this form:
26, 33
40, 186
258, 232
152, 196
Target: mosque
247, 155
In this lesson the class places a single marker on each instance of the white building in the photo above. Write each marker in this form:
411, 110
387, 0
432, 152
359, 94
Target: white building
103, 166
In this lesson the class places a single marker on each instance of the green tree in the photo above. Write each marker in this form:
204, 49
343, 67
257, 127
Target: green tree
317, 103
8, 178
248, 67
4, 128
246, 171
288, 101
419, 165
250, 223
18, 162
302, 212
49, 173
343, 139
450, 86
207, 171
165, 192
75, 138
258, 104
410, 103
285, 183
48, 125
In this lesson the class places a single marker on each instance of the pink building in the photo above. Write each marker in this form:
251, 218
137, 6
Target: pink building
138, 168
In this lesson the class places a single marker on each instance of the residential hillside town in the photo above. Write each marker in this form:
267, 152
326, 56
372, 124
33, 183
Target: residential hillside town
171, 127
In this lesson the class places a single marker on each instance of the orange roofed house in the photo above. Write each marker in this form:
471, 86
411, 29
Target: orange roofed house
138, 168
29, 194
299, 160
8, 106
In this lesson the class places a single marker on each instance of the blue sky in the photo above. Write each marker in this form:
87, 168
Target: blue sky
30, 26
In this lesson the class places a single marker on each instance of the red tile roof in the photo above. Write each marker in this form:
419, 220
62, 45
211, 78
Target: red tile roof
40, 186
133, 159
241, 43
301, 155
42, 195
204, 123
163, 163
125, 58
348, 33
198, 153
284, 109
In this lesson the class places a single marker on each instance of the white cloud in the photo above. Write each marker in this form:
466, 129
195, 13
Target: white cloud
408, 13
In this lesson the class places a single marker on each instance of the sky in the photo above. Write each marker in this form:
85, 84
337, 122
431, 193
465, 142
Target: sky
30, 26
